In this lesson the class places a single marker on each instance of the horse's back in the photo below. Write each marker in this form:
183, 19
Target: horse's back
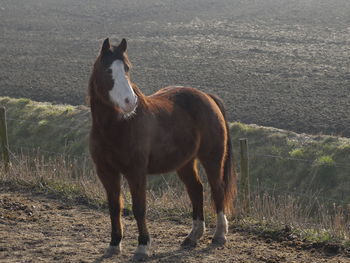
204, 109
198, 104
205, 112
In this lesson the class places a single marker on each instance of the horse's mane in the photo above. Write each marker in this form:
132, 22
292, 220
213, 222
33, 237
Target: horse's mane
141, 98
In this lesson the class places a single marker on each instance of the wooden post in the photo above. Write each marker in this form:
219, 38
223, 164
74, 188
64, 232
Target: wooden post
3, 138
244, 182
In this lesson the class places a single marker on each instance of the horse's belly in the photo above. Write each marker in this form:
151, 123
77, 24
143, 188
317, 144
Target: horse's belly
171, 157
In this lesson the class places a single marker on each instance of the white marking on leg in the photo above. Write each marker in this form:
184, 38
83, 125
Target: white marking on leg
143, 249
221, 226
113, 250
122, 93
197, 231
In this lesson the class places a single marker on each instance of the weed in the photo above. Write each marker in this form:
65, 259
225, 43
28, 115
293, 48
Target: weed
325, 160
297, 153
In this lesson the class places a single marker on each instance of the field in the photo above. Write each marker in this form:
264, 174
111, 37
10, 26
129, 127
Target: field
275, 62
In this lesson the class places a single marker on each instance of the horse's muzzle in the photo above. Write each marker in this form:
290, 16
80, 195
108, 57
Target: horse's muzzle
129, 105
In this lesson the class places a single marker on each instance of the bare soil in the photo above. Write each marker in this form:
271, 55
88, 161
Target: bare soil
281, 63
38, 229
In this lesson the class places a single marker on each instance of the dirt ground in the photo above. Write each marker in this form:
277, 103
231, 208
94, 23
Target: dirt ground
38, 229
280, 63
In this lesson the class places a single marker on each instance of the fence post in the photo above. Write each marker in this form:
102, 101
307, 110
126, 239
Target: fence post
244, 182
3, 138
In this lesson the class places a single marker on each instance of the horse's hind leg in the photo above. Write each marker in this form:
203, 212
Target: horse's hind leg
189, 175
214, 170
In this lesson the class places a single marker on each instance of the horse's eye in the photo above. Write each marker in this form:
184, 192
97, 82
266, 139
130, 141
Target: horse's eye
109, 71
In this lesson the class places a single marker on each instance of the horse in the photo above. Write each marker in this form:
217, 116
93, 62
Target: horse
135, 135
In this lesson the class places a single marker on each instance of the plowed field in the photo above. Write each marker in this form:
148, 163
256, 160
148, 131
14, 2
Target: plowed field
280, 63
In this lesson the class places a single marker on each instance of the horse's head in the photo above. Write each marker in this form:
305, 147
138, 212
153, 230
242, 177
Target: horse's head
110, 79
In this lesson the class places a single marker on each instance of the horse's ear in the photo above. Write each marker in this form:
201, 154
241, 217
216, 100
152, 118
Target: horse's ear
123, 45
105, 46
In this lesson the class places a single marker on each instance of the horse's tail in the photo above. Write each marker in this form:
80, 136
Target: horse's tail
230, 178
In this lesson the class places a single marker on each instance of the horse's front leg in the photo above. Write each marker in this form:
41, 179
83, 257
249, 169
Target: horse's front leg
111, 183
137, 185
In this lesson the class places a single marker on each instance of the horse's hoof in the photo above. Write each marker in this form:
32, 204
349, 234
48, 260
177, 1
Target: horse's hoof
140, 257
219, 241
142, 252
188, 243
111, 251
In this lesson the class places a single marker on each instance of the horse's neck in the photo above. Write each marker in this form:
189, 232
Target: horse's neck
102, 115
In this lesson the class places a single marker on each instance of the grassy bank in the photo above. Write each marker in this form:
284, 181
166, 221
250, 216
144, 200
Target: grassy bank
45, 126
284, 161
280, 161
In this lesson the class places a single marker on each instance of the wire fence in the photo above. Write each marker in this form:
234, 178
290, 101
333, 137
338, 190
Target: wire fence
256, 188
313, 162
31, 149
39, 150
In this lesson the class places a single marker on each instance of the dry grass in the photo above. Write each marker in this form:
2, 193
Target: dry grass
69, 179
75, 181
309, 216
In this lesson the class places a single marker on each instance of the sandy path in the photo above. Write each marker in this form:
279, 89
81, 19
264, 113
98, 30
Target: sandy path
37, 229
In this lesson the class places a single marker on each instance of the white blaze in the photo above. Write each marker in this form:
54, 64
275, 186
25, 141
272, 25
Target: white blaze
122, 93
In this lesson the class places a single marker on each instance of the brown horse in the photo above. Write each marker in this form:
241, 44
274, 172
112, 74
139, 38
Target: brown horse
135, 135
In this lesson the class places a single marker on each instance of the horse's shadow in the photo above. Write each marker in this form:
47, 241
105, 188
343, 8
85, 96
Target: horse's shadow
183, 253
173, 255
180, 253
103, 258
99, 260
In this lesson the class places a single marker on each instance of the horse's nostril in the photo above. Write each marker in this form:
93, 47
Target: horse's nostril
127, 101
